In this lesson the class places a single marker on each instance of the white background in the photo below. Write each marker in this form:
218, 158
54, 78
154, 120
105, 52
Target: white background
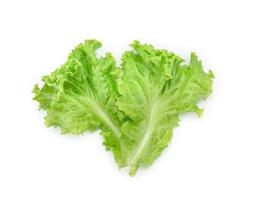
214, 157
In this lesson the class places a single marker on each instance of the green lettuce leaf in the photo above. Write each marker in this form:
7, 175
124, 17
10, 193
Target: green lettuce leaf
155, 88
80, 95
135, 107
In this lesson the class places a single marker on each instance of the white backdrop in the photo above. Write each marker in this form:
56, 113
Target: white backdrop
214, 157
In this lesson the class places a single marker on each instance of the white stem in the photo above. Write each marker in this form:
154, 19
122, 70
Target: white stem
147, 135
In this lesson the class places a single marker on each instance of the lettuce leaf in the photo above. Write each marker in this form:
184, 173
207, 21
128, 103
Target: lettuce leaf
155, 88
80, 96
135, 106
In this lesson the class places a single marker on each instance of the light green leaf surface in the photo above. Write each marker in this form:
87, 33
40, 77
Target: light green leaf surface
155, 87
136, 106
80, 95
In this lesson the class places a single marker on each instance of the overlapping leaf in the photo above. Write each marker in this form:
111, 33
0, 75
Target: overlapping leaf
154, 89
136, 107
80, 95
